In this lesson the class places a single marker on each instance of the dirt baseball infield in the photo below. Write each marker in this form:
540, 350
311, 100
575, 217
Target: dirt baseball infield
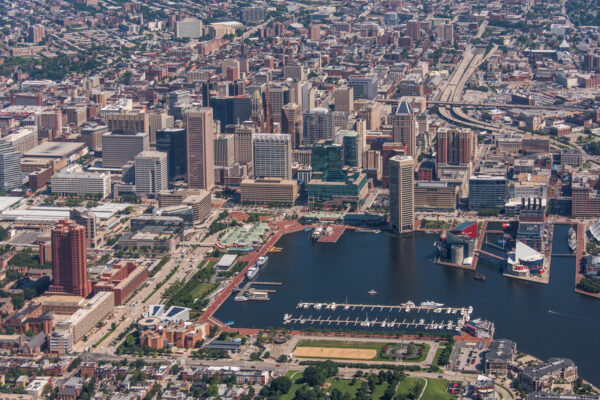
333, 352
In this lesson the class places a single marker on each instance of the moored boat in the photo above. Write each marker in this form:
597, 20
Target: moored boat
262, 261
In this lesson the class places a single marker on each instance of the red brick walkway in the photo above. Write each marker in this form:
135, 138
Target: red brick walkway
282, 228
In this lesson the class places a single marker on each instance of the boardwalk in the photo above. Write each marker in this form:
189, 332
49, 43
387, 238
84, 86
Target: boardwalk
579, 255
284, 227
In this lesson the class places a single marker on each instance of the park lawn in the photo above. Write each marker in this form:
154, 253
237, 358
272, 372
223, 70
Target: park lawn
344, 386
341, 344
431, 224
406, 384
203, 290
379, 391
436, 390
296, 377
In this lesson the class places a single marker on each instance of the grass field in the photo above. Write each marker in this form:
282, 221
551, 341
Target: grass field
343, 385
406, 384
436, 390
203, 290
296, 377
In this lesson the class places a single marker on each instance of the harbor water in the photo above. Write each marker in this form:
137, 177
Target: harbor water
545, 320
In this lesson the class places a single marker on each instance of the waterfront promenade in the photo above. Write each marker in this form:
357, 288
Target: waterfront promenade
282, 228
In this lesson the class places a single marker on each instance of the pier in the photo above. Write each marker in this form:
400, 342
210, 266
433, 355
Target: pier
429, 317
382, 307
493, 258
250, 293
578, 256
334, 236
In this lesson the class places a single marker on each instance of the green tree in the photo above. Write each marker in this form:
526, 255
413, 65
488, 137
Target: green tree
314, 376
281, 384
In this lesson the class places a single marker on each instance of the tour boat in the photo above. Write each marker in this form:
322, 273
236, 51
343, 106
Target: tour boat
262, 261
572, 239
372, 292
252, 271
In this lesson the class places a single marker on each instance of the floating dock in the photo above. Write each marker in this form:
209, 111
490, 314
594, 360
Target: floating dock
253, 294
432, 316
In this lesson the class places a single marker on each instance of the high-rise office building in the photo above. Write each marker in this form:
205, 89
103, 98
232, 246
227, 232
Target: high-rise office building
224, 151
291, 122
69, 259
231, 109
173, 141
118, 149
10, 166
243, 144
253, 14
344, 99
405, 128
365, 87
454, 146
487, 192
272, 155
151, 172
413, 29
257, 112
293, 71
402, 195
317, 124
370, 111
315, 32
200, 149
130, 123
308, 96
327, 161
353, 149
278, 96
158, 120
92, 136
83, 216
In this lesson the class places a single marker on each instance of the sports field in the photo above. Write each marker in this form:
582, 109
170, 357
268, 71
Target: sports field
334, 352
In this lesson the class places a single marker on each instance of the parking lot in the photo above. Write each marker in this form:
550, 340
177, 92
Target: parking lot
468, 356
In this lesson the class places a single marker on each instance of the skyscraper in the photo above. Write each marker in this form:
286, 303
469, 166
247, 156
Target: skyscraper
224, 151
308, 96
344, 99
413, 29
365, 87
402, 197
317, 124
278, 97
291, 123
130, 123
10, 166
200, 149
242, 143
454, 146
173, 141
151, 172
69, 259
405, 127
272, 156
118, 149
257, 112
352, 149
